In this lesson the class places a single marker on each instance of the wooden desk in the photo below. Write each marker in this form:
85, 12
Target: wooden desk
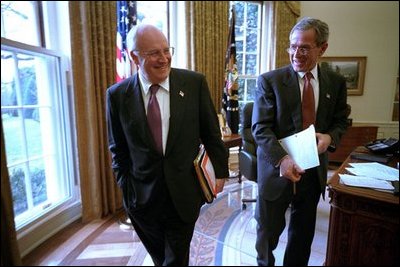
234, 140
363, 224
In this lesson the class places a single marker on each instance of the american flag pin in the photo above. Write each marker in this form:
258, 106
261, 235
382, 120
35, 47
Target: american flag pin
182, 94
328, 96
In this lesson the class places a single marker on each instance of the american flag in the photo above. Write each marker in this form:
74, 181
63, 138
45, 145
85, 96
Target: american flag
230, 99
126, 19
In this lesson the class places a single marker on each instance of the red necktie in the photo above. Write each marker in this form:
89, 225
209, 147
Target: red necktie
154, 118
308, 103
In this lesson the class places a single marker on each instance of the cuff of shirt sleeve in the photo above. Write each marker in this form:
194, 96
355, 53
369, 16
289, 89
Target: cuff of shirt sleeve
280, 161
332, 146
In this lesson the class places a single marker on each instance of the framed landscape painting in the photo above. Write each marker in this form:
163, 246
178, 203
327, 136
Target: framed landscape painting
352, 68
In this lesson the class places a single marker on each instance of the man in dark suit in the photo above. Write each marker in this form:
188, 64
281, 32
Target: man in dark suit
161, 193
278, 113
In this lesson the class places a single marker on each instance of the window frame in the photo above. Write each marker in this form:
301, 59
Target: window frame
244, 96
31, 234
59, 113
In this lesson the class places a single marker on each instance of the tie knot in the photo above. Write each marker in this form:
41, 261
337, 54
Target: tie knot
308, 76
154, 88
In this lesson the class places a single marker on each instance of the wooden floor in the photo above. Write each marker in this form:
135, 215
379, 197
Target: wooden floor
62, 247
224, 236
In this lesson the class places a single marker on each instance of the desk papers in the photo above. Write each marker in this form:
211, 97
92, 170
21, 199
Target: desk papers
363, 181
302, 148
374, 170
371, 175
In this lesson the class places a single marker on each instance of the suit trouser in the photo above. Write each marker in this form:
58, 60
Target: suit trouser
164, 235
271, 222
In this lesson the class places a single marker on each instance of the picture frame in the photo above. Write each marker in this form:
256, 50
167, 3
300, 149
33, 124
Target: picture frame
352, 68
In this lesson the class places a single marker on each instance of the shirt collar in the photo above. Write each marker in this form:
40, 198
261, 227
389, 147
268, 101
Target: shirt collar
146, 84
314, 72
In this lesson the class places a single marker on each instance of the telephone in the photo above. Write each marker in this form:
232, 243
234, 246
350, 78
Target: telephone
384, 146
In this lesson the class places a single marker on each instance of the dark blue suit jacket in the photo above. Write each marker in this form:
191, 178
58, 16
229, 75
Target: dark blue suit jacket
139, 167
277, 114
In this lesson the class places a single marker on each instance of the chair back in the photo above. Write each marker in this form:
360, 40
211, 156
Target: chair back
248, 140
247, 155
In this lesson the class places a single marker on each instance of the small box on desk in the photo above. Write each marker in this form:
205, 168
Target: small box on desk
372, 157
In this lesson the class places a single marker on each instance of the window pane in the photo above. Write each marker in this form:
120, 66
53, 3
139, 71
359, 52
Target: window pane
33, 135
19, 21
251, 87
38, 181
252, 15
18, 188
8, 93
27, 74
13, 135
239, 45
241, 89
153, 12
251, 63
251, 41
239, 62
239, 12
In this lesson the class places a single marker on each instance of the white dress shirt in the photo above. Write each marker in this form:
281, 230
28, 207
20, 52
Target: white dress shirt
163, 101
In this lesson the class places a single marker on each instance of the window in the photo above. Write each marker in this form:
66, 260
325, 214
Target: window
35, 114
248, 47
20, 21
153, 12
34, 130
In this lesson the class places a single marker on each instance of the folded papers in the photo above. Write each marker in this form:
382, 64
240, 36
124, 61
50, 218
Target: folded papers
205, 174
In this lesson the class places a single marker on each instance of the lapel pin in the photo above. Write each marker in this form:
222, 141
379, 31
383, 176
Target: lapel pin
328, 96
182, 94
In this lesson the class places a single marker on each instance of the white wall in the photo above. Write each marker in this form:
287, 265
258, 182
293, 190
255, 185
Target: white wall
368, 29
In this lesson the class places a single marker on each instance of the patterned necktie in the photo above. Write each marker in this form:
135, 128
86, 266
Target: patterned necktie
154, 118
308, 103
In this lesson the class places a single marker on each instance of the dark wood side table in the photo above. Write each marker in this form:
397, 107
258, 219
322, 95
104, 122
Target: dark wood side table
234, 140
355, 136
363, 223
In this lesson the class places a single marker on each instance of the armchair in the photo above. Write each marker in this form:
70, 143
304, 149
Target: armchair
247, 155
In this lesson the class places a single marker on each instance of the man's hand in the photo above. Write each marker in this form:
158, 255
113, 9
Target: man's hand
220, 185
290, 169
324, 140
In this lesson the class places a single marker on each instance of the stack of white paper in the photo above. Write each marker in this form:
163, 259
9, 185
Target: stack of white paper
363, 181
302, 147
375, 170
371, 175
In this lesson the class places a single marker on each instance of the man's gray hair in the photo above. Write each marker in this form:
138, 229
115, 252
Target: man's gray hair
320, 27
131, 40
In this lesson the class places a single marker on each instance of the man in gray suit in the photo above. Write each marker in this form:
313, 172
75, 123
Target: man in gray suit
161, 193
278, 113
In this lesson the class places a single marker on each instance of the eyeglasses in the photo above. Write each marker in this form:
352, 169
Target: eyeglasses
156, 54
301, 50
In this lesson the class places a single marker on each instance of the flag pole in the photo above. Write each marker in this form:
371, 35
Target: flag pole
230, 97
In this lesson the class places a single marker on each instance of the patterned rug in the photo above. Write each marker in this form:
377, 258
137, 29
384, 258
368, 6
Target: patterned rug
221, 229
215, 241
224, 236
